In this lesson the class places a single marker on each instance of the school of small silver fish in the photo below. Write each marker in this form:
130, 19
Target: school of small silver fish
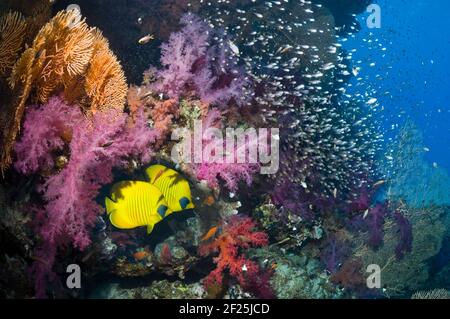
312, 88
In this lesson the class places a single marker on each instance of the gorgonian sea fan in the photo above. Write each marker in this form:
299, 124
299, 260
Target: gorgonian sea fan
372, 222
405, 234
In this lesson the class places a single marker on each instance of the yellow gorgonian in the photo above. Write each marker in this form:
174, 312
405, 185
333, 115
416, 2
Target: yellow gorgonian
12, 32
105, 83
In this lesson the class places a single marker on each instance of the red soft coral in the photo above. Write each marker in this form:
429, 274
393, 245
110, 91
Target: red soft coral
163, 113
238, 234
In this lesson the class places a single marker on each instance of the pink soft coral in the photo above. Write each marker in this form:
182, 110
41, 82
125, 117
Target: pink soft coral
46, 129
231, 173
97, 145
238, 234
192, 64
179, 55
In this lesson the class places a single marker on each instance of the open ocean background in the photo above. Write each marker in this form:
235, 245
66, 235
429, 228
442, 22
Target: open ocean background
414, 69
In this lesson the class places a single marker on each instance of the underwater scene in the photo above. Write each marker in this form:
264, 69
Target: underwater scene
224, 149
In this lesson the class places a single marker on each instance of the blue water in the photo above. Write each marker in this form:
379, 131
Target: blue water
414, 69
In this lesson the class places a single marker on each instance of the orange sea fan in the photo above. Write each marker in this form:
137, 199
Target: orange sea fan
21, 81
62, 49
12, 32
36, 13
105, 83
66, 44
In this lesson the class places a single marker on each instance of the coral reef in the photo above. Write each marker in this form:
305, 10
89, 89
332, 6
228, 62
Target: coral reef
97, 145
64, 51
409, 274
72, 126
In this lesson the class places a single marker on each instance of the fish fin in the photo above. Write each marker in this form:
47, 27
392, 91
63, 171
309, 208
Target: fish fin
113, 221
110, 205
149, 229
153, 172
184, 202
162, 210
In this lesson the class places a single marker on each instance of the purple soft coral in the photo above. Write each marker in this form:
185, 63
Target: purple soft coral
191, 64
405, 235
179, 55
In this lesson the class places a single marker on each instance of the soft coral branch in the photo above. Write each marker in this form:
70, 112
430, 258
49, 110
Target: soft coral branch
212, 170
46, 129
98, 145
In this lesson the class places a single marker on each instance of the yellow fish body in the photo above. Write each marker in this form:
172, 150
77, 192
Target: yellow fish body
134, 204
172, 185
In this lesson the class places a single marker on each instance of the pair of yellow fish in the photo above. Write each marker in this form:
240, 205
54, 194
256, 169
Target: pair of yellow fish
136, 203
